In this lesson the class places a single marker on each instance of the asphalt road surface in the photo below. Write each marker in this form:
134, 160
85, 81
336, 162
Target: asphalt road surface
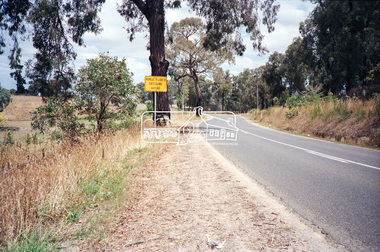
331, 186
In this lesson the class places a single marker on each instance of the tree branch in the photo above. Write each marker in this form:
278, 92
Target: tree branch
142, 7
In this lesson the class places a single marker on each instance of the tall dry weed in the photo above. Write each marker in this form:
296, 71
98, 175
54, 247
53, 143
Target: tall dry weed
42, 184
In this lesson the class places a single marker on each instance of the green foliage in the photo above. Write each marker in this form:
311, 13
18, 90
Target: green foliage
52, 25
56, 136
273, 74
144, 96
341, 110
5, 98
360, 114
284, 97
276, 101
15, 64
58, 112
8, 139
312, 94
186, 41
292, 113
179, 99
296, 101
316, 110
223, 85
149, 106
320, 54
224, 20
338, 27
374, 75
36, 241
103, 82
123, 124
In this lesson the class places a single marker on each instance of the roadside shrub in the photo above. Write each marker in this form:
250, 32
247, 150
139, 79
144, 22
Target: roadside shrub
284, 97
292, 113
58, 112
315, 110
5, 98
295, 101
340, 109
360, 114
114, 125
8, 139
269, 111
149, 106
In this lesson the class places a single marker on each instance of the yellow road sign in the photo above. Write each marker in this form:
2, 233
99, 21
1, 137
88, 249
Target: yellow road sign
156, 84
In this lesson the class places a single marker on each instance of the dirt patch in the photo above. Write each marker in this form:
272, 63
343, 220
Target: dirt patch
192, 191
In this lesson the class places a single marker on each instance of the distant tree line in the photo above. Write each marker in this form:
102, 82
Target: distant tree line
338, 52
339, 47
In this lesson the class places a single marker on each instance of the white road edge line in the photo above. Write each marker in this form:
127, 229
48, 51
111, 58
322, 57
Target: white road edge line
312, 152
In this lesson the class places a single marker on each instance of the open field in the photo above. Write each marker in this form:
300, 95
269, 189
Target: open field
18, 118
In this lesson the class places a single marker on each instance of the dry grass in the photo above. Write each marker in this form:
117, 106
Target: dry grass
49, 184
21, 106
352, 121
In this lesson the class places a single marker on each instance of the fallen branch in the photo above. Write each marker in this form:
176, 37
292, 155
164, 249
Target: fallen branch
140, 242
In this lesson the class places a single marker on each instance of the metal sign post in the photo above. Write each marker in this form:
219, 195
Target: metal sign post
155, 84
155, 110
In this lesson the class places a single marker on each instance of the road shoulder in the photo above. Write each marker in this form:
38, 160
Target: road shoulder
192, 191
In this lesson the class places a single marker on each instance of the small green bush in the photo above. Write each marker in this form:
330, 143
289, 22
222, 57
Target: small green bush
315, 110
340, 109
149, 106
9, 140
360, 114
5, 98
292, 113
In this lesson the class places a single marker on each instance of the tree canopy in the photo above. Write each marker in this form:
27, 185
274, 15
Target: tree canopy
343, 37
53, 26
224, 20
106, 81
187, 55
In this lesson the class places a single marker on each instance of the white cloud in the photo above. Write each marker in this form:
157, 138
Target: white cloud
244, 62
286, 29
287, 26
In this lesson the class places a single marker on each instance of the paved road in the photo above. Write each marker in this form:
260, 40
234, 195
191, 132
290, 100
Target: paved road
331, 186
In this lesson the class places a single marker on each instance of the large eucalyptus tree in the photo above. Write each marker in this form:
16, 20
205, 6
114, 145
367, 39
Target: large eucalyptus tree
187, 55
224, 21
72, 18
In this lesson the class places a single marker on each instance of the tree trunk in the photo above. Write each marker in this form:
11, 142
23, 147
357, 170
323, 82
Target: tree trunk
198, 92
159, 64
223, 101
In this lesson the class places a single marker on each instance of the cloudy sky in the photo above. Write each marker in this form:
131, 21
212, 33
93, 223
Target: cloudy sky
115, 40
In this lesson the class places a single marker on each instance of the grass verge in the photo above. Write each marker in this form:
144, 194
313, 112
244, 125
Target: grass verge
352, 121
55, 195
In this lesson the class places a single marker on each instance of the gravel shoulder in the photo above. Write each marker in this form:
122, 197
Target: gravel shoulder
192, 191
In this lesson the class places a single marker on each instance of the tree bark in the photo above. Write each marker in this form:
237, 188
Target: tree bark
159, 65
198, 92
